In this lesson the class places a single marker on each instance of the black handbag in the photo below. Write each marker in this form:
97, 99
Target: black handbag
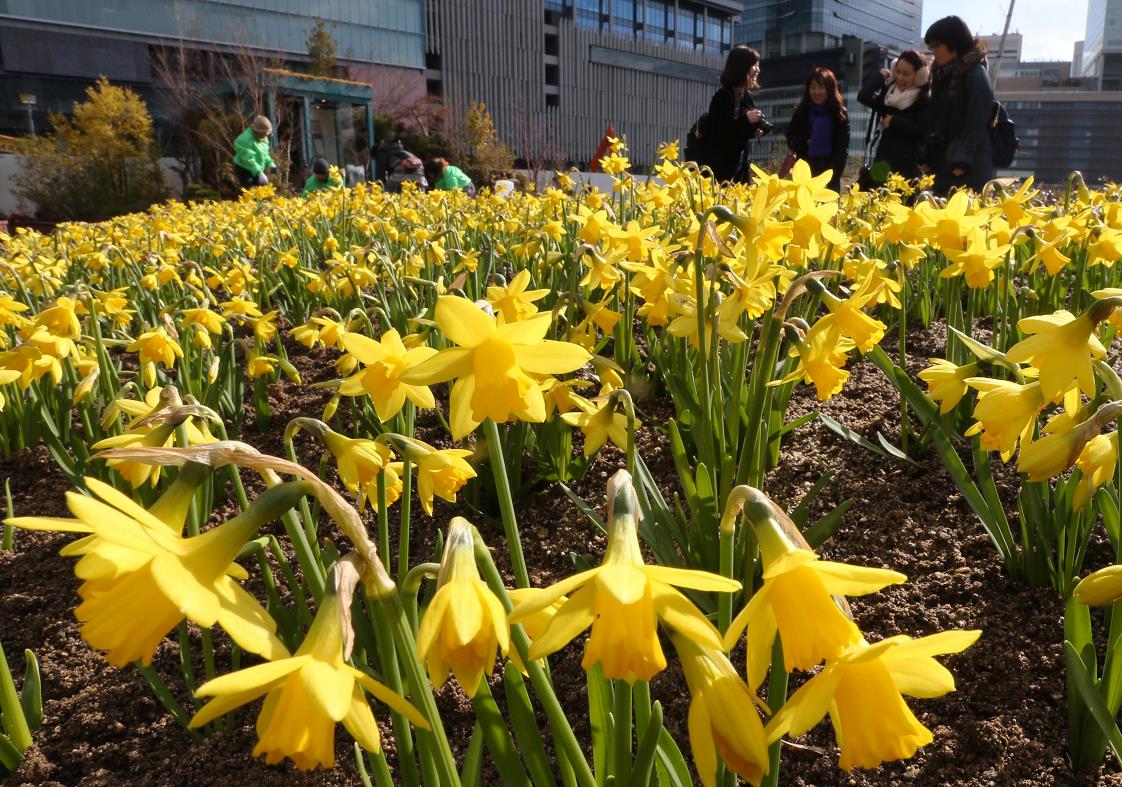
873, 174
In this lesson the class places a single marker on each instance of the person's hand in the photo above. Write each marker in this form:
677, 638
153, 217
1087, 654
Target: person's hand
884, 72
759, 133
754, 115
886, 121
958, 172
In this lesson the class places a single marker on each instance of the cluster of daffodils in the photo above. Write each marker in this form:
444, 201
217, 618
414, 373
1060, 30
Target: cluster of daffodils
143, 575
801, 602
1058, 373
507, 324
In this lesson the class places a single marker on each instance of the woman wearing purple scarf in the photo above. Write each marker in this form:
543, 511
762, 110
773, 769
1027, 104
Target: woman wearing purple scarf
819, 129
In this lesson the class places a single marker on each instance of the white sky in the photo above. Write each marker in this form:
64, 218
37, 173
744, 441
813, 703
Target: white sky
1050, 27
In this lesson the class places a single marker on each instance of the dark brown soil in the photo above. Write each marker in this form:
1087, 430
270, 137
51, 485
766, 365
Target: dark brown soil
1006, 724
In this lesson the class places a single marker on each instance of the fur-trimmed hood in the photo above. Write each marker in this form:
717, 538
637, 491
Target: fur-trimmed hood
959, 66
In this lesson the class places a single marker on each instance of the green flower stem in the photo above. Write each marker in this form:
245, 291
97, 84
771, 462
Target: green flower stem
440, 756
902, 331
566, 741
506, 505
15, 724
383, 521
403, 734
776, 697
621, 712
753, 449
621, 395
406, 500
6, 531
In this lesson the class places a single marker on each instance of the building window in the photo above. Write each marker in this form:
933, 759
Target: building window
587, 13
688, 22
713, 34
623, 17
655, 24
552, 100
552, 75
552, 45
558, 8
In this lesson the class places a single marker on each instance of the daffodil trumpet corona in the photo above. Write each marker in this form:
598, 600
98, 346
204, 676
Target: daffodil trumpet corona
623, 599
465, 623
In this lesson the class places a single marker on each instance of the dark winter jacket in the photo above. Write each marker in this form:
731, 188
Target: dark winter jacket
798, 140
901, 143
725, 131
958, 123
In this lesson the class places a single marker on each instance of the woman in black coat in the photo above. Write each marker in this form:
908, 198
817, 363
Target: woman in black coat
959, 151
900, 98
732, 120
819, 129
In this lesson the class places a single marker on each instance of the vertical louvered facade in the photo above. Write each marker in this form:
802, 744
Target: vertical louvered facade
554, 80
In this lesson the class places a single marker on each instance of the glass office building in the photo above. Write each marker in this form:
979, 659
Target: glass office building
1102, 44
688, 25
789, 27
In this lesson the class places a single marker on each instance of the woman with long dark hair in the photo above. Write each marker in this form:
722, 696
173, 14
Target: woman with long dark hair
819, 128
959, 151
900, 98
720, 135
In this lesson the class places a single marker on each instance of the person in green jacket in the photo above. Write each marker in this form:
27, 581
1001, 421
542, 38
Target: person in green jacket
448, 177
320, 178
251, 154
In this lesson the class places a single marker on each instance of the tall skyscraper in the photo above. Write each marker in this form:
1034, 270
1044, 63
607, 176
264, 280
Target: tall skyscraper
787, 27
1102, 44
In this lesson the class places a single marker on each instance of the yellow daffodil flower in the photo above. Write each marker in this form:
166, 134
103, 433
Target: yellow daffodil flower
723, 720
156, 346
861, 690
465, 623
846, 315
306, 695
1062, 347
623, 599
822, 356
797, 600
1096, 461
143, 578
977, 261
492, 365
384, 362
360, 462
599, 422
946, 381
514, 302
1005, 414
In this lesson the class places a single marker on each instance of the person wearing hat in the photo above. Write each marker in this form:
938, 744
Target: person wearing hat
251, 154
320, 178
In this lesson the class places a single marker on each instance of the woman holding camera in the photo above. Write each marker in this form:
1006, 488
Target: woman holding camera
732, 120
819, 128
900, 97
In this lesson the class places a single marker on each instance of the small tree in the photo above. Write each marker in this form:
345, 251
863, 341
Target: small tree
477, 144
99, 163
322, 50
